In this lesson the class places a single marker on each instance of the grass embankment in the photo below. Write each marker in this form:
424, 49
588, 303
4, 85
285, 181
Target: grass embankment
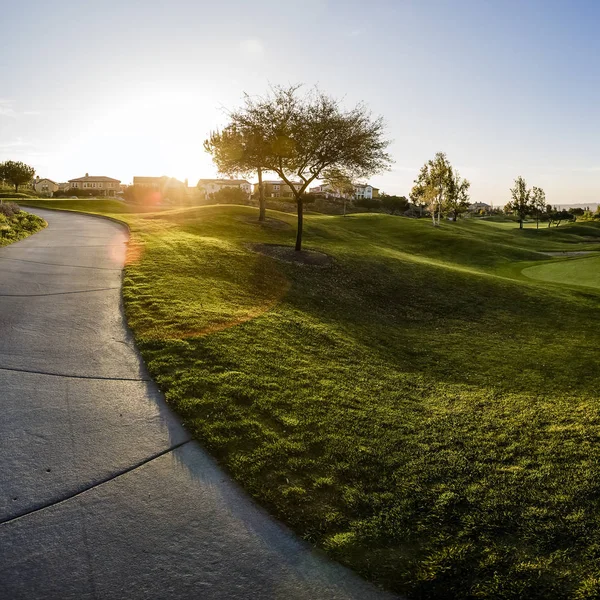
418, 408
17, 224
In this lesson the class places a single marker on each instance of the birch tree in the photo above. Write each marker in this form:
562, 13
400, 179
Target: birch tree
431, 186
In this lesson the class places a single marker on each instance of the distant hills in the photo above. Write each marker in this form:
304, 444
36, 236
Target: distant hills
591, 205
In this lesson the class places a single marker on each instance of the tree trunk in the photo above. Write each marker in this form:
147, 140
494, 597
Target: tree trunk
344, 206
16, 188
521, 223
261, 197
433, 216
300, 223
537, 221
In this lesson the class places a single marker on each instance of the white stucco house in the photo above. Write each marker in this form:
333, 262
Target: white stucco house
361, 190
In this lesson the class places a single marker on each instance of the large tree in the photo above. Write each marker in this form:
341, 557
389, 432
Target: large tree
308, 134
240, 151
431, 186
16, 173
538, 203
521, 204
457, 194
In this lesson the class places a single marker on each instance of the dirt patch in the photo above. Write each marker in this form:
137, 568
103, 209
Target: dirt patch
288, 254
269, 223
574, 253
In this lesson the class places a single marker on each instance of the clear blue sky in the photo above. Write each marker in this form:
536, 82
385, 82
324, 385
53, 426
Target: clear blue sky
123, 88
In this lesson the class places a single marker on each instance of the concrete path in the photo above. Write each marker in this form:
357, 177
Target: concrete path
102, 494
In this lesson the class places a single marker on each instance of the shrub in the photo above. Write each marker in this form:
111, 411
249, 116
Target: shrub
368, 203
229, 195
9, 209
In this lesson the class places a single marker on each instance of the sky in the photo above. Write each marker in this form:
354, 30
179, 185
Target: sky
133, 87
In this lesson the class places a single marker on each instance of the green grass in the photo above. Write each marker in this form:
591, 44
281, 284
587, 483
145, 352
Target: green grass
420, 409
18, 226
581, 272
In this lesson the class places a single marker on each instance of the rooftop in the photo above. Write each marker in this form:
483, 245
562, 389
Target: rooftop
94, 178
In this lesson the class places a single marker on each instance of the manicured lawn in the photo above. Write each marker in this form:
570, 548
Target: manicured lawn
418, 408
18, 226
580, 271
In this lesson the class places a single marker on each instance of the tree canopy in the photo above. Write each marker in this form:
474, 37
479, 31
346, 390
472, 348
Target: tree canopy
16, 173
305, 135
431, 185
521, 203
457, 194
538, 203
239, 151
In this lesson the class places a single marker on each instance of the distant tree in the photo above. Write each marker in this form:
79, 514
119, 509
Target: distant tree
457, 194
229, 195
16, 173
431, 186
538, 203
557, 217
394, 204
368, 203
520, 204
308, 135
577, 212
240, 151
340, 184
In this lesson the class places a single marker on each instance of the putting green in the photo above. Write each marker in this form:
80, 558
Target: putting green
579, 271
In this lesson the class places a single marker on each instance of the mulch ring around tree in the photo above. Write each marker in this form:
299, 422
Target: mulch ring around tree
289, 254
268, 223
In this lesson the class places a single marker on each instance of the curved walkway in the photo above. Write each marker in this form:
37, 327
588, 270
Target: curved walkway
102, 493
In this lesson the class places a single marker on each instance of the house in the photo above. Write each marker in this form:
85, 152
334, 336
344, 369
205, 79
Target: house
45, 186
210, 186
365, 190
277, 189
99, 184
361, 190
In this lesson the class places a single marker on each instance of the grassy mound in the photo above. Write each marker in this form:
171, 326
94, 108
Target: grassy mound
417, 407
17, 224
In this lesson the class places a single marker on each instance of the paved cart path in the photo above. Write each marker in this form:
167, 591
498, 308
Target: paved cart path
102, 493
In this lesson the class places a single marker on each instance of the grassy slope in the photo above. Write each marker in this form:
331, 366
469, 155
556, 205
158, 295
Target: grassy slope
418, 408
19, 226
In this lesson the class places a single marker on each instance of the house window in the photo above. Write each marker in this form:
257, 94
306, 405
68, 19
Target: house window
110, 185
276, 188
74, 185
275, 195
